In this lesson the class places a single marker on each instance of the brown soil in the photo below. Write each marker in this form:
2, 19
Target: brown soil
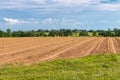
33, 50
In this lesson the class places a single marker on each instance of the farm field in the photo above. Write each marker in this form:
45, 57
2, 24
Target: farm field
35, 50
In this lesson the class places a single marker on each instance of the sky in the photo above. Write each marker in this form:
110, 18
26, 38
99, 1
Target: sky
59, 14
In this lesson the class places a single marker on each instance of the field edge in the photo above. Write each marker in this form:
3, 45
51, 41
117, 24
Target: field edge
92, 67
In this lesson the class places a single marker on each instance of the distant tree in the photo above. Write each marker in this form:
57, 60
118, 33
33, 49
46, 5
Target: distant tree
90, 31
74, 30
117, 32
60, 32
94, 33
2, 33
16, 34
8, 32
83, 33
103, 33
53, 33
31, 33
67, 32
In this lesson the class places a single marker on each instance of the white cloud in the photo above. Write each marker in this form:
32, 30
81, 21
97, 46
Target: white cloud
63, 23
49, 21
76, 2
53, 5
109, 7
25, 4
12, 21
39, 1
70, 23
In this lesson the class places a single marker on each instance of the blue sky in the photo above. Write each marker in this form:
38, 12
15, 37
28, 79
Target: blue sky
57, 14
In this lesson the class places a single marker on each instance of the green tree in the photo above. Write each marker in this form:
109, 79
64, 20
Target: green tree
53, 33
8, 32
2, 33
83, 33
94, 33
67, 32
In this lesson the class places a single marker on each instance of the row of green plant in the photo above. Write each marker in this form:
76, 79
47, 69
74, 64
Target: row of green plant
60, 33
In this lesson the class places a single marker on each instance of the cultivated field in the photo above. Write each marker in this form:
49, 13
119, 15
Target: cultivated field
33, 50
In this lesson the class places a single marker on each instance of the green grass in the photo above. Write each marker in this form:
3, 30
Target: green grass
94, 67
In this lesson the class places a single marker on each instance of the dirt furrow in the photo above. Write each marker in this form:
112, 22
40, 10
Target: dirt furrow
25, 54
98, 46
91, 47
117, 44
103, 48
113, 50
76, 51
32, 47
63, 51
26, 44
33, 50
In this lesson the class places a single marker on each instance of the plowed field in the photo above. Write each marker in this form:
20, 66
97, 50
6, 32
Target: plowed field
33, 50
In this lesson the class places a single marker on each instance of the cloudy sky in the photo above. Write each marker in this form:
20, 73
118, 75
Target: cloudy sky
57, 14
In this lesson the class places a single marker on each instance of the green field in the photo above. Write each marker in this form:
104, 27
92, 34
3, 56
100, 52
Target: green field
94, 67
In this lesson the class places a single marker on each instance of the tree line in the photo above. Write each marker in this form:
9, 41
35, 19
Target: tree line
60, 33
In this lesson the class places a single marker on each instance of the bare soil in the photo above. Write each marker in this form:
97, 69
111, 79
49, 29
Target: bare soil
33, 50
